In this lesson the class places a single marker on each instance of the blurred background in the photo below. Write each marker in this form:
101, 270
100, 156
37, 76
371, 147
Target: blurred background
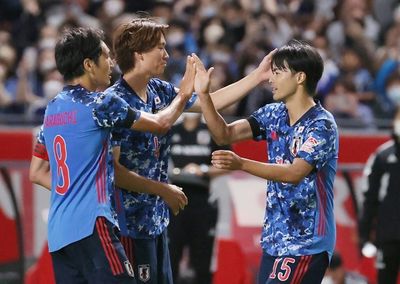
359, 41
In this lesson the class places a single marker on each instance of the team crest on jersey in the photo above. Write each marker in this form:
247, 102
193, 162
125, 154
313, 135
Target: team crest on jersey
309, 145
295, 145
144, 272
129, 268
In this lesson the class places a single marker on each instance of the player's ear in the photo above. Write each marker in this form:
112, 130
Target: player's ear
301, 77
138, 56
88, 64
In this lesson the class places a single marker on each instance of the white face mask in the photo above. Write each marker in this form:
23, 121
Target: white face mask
113, 7
396, 127
394, 94
51, 88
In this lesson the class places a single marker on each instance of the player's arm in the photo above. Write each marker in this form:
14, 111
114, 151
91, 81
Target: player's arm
131, 181
222, 133
39, 170
163, 120
234, 92
289, 173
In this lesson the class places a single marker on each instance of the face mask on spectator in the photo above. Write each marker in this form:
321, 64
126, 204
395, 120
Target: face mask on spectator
213, 33
394, 94
175, 38
113, 7
51, 88
47, 43
46, 66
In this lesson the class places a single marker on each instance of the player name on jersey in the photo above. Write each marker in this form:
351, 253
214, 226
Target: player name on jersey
59, 119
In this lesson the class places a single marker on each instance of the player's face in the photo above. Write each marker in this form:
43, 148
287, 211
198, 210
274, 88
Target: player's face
155, 60
103, 68
283, 83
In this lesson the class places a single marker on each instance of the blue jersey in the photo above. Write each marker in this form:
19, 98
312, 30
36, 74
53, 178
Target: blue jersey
76, 132
299, 218
142, 215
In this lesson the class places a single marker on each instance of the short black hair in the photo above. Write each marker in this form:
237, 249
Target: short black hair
300, 57
74, 46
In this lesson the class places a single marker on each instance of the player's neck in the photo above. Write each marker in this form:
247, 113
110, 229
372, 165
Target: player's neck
85, 82
138, 83
298, 105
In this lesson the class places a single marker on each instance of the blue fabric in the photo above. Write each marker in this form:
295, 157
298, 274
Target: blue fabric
143, 215
76, 132
299, 218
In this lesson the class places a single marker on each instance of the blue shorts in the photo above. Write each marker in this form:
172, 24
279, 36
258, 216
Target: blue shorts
99, 258
150, 259
306, 269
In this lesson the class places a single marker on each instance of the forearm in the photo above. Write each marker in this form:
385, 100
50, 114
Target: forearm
169, 115
235, 92
44, 180
216, 124
272, 172
133, 182
39, 172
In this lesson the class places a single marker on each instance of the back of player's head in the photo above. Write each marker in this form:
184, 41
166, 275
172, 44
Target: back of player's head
139, 35
300, 57
74, 46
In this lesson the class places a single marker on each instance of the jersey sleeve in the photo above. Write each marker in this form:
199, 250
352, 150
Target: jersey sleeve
40, 148
320, 145
116, 136
261, 119
112, 111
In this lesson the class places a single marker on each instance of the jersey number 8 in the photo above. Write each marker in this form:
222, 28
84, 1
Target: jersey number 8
60, 154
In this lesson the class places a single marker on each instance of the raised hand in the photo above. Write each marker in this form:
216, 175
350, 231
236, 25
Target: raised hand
202, 78
175, 198
226, 160
186, 87
264, 68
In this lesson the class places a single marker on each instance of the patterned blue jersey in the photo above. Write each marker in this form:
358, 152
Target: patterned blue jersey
299, 218
142, 215
76, 132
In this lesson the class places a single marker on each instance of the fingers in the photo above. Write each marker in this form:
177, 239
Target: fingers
199, 63
209, 71
272, 53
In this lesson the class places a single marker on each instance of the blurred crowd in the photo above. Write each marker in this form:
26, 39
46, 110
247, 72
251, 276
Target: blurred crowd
359, 41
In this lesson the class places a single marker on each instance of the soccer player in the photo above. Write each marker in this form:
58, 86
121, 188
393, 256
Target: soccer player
76, 137
139, 49
298, 235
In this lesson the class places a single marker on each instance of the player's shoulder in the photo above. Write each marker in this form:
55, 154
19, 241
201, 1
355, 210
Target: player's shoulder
160, 85
273, 109
119, 88
322, 119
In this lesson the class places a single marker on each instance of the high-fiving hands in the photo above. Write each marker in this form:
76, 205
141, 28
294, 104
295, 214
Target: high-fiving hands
186, 87
202, 78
